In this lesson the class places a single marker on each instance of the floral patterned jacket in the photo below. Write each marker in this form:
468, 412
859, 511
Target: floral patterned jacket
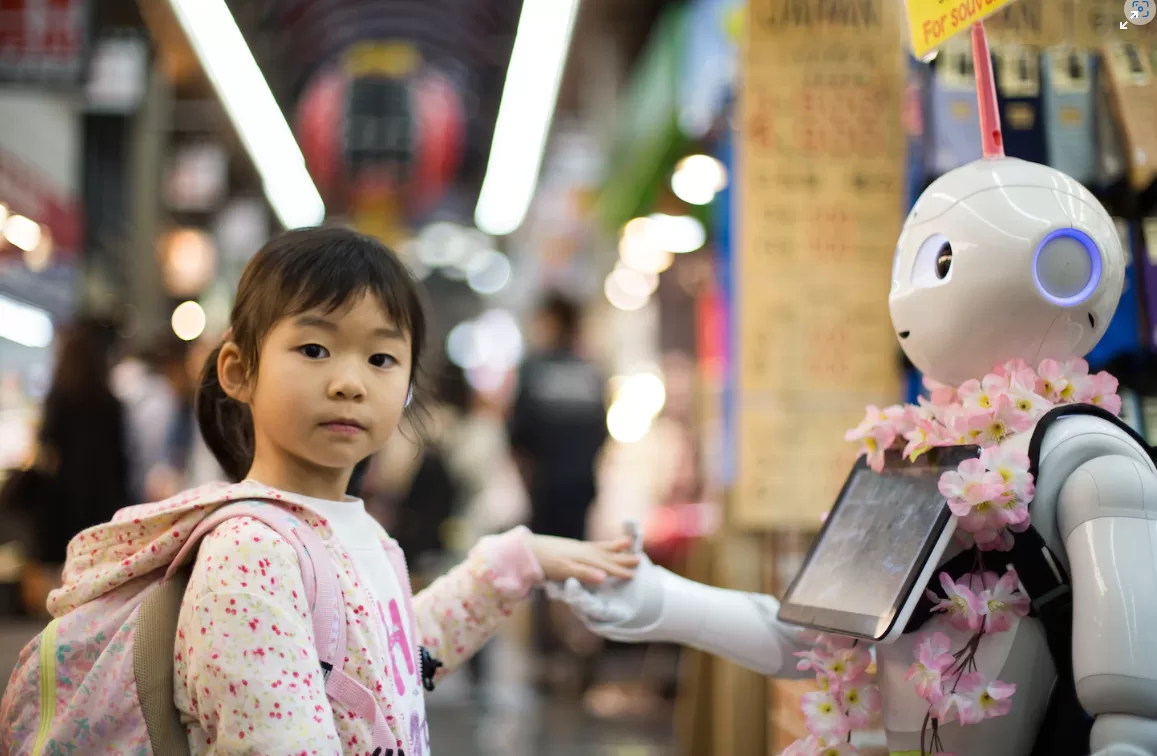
248, 681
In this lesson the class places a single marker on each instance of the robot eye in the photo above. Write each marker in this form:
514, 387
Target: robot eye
1067, 267
944, 261
933, 264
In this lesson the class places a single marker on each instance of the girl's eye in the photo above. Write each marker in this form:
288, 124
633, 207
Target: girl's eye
313, 351
382, 360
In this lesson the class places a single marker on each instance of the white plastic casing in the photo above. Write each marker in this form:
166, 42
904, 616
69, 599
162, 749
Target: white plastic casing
1005, 294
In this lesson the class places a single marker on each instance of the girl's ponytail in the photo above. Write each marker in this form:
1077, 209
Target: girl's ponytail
225, 423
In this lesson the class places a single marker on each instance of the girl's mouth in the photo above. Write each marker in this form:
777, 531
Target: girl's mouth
344, 427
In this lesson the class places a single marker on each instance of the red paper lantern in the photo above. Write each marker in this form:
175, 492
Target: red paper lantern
369, 133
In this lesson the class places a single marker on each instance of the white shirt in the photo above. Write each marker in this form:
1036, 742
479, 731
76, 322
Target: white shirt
357, 532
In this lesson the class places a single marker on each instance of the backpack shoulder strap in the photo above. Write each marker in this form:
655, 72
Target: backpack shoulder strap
159, 612
318, 572
327, 609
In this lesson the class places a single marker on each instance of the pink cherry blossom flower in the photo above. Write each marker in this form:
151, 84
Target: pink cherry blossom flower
975, 495
876, 435
977, 700
1052, 381
976, 394
1104, 393
965, 425
861, 702
1011, 510
824, 717
815, 659
971, 481
932, 661
963, 608
1081, 384
1012, 467
923, 435
1003, 603
979, 517
979, 582
847, 665
1012, 368
945, 708
1023, 395
897, 416
1004, 420
1066, 383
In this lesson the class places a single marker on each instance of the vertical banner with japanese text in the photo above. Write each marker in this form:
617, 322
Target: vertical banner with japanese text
821, 193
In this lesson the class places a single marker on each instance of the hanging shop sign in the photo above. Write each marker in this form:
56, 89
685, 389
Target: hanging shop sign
931, 23
43, 41
820, 203
1084, 24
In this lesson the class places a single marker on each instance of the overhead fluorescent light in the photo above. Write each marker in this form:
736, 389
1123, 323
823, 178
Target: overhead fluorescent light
254, 112
524, 115
24, 324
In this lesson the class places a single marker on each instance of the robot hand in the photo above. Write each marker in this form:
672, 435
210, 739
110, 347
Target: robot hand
619, 610
659, 606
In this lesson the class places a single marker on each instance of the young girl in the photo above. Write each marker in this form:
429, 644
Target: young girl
314, 375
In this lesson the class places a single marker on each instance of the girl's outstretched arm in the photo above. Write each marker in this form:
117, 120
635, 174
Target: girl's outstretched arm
459, 611
247, 676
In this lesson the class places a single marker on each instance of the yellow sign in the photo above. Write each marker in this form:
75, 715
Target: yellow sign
382, 59
932, 22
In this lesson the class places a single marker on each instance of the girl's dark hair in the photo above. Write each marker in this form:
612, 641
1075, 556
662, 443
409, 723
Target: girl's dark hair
316, 268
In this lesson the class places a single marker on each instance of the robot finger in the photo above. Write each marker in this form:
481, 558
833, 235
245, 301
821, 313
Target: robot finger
554, 591
635, 531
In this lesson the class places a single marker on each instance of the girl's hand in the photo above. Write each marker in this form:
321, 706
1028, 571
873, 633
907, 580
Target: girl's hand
587, 561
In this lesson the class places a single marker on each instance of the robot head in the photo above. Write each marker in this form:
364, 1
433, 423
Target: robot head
1003, 259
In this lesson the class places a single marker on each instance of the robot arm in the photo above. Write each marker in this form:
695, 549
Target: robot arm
1107, 516
659, 606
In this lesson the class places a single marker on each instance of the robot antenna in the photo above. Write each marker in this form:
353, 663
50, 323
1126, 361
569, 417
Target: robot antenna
986, 94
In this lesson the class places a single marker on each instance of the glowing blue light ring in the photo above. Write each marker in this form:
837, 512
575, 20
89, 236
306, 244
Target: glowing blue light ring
1094, 253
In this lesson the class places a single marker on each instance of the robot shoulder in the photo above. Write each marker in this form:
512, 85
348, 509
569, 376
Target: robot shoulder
1088, 467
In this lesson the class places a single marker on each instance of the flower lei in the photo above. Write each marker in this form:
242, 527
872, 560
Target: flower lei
989, 497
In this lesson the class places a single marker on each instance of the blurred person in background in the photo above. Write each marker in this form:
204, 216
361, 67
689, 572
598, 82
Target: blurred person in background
557, 427
150, 405
157, 391
80, 474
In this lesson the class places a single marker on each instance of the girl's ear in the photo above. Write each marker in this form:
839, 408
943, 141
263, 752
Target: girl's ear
231, 373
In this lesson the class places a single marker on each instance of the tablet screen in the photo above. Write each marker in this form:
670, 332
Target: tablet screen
873, 546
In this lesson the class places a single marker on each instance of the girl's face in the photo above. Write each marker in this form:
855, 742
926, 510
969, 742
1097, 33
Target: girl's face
331, 387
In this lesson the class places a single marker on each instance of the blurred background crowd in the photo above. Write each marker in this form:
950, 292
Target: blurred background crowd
654, 237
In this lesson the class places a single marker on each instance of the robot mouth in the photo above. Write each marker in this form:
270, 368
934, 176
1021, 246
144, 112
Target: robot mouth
904, 334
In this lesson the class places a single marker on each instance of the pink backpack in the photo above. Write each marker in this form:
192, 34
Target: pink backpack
99, 678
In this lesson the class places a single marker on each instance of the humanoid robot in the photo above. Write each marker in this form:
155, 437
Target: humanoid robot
999, 260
